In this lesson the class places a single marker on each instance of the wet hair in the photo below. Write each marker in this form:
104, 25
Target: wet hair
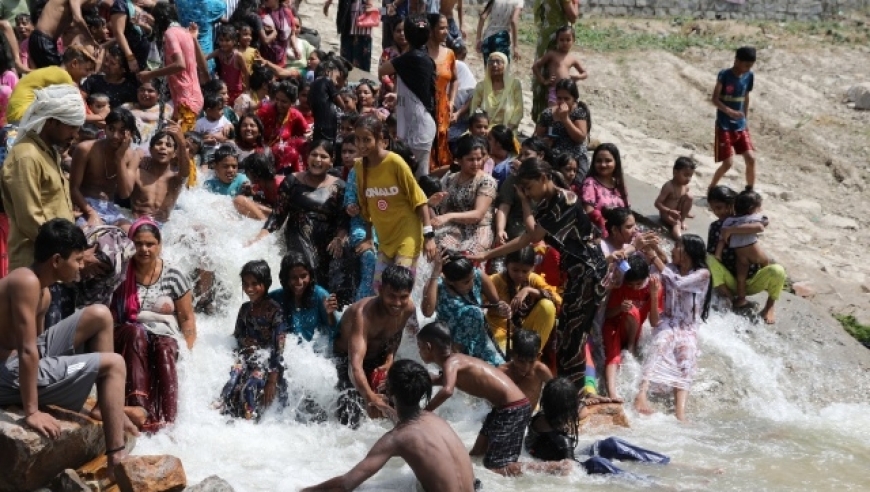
402, 149
409, 382
525, 256
417, 30
324, 144
227, 31
196, 138
371, 124
339, 150
97, 97
430, 185
77, 53
438, 334
534, 168
615, 217
456, 267
290, 261
22, 17
126, 118
564, 29
694, 248
150, 229
161, 134
745, 54
224, 151
617, 168
289, 89
722, 194
94, 21
250, 115
58, 237
561, 404
350, 93
261, 75
259, 167
468, 144
639, 269
115, 51
398, 278
746, 201
213, 101
260, 270
537, 145
321, 55
525, 344
685, 163
504, 137
241, 26
164, 14
332, 64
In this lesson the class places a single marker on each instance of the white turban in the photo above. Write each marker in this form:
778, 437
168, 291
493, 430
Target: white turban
62, 102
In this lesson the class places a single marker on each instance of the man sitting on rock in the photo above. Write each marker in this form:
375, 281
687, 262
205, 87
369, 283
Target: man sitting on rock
59, 366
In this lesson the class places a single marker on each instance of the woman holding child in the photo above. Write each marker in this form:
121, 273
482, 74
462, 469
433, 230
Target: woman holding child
153, 309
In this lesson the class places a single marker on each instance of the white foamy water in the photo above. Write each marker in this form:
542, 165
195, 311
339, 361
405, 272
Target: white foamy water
766, 440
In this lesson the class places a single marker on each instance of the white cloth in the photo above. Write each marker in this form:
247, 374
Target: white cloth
467, 83
500, 17
62, 102
415, 126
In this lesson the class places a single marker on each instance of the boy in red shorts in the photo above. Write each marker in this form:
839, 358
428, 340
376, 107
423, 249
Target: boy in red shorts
731, 98
639, 297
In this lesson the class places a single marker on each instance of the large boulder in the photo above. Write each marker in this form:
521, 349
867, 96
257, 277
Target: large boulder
600, 415
860, 95
161, 473
29, 461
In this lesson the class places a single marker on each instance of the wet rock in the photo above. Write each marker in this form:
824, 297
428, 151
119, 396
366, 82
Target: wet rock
803, 289
29, 461
213, 483
860, 95
160, 473
604, 415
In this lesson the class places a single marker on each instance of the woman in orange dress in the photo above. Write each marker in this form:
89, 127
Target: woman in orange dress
445, 93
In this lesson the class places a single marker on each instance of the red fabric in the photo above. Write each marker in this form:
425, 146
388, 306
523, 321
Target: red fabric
549, 266
613, 331
729, 142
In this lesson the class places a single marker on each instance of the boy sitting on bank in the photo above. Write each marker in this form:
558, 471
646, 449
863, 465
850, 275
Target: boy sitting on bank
501, 438
675, 202
524, 368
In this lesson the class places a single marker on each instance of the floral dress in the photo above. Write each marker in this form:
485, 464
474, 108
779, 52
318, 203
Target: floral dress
286, 138
672, 355
260, 333
598, 196
562, 141
467, 321
461, 197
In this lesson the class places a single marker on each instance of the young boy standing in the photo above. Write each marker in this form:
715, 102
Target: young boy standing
675, 201
731, 98
524, 368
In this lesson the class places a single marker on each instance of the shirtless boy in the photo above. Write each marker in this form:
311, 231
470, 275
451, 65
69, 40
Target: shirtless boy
524, 368
674, 201
370, 334
501, 438
105, 169
157, 183
556, 64
59, 366
59, 18
424, 440
455, 32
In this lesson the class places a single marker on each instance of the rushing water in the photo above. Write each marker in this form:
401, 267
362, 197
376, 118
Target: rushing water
765, 441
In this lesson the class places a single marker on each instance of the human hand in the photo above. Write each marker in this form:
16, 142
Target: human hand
432, 252
655, 284
674, 215
336, 246
503, 309
379, 403
436, 199
515, 53
364, 246
454, 117
391, 10
263, 233
476, 258
44, 424
390, 100
193, 29
626, 306
438, 221
133, 65
330, 304
246, 189
352, 210
93, 267
736, 115
519, 300
561, 112
551, 81
501, 237
521, 194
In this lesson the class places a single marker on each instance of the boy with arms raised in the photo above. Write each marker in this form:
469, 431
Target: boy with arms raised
524, 368
731, 98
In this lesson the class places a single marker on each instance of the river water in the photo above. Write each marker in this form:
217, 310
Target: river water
763, 441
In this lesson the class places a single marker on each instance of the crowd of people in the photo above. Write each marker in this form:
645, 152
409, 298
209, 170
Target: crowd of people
540, 280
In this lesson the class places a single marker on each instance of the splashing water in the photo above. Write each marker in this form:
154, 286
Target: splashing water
764, 440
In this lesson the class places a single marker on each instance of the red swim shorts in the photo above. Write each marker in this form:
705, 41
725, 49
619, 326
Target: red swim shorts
730, 142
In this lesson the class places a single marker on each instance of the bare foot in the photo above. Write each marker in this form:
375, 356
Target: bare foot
769, 316
641, 405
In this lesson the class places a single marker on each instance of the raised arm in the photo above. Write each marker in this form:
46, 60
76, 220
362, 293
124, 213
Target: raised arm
117, 24
379, 455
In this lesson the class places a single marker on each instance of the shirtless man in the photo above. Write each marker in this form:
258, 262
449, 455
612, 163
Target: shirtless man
157, 184
424, 440
49, 367
370, 334
56, 18
524, 368
104, 169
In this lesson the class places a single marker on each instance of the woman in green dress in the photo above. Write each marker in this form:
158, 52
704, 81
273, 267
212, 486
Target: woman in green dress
550, 15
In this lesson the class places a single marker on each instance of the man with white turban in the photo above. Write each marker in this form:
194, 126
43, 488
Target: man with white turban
32, 184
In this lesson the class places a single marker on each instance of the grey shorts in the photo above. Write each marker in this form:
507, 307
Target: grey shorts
65, 376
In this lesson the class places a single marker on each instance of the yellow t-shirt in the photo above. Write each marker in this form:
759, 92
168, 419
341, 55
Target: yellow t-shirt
249, 55
22, 96
389, 197
499, 324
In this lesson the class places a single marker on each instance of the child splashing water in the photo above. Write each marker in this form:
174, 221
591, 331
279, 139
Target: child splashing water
258, 374
227, 178
312, 307
556, 64
672, 355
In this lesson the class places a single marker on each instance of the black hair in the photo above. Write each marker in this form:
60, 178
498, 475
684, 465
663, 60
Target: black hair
331, 64
391, 120
97, 96
525, 256
746, 200
477, 116
564, 29
409, 382
115, 50
438, 334
261, 75
23, 16
290, 261
537, 145
224, 151
570, 86
525, 344
371, 84
562, 159
260, 270
398, 278
722, 194
227, 31
164, 14
161, 133
403, 150
213, 101
468, 144
561, 405
196, 137
351, 118
58, 237
150, 229
745, 54
94, 21
77, 53
126, 118
257, 121
456, 267
639, 269
504, 137
326, 145
259, 167
534, 168
289, 88
430, 185
615, 217
213, 86
433, 19
321, 55
417, 30
348, 92
617, 169
694, 248
339, 149
685, 163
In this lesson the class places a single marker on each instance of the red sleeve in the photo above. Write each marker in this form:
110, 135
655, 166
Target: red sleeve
616, 298
298, 127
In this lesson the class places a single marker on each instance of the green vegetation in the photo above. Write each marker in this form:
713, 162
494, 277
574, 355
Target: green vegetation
853, 327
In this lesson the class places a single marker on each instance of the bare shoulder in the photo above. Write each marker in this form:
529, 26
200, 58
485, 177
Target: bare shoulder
542, 372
